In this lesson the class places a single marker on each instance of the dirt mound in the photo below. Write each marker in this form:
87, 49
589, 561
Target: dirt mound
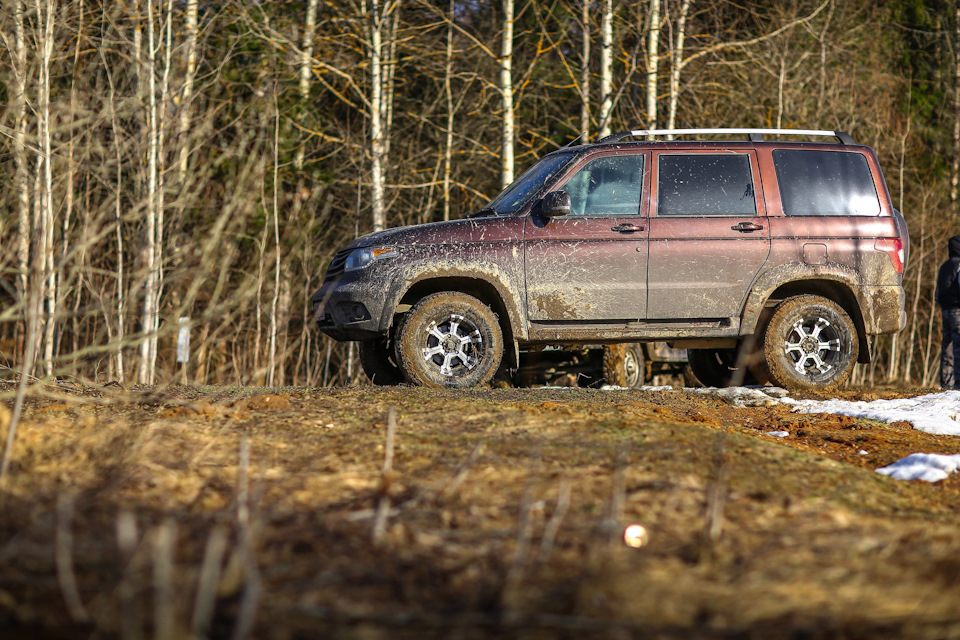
503, 514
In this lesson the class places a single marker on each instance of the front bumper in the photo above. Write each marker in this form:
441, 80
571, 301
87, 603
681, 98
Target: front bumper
350, 307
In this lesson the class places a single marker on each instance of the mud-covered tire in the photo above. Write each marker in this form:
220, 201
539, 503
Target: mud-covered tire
717, 368
376, 360
624, 365
449, 339
810, 343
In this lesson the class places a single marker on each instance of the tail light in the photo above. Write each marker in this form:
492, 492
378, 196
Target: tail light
893, 247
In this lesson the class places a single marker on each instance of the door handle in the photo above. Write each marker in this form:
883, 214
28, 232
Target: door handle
626, 227
747, 226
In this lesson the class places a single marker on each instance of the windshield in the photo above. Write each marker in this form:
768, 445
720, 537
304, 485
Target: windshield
514, 197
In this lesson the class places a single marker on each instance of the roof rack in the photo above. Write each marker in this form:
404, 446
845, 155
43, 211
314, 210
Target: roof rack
755, 135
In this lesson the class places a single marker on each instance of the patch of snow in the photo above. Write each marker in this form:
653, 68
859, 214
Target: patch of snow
931, 467
747, 396
935, 413
778, 434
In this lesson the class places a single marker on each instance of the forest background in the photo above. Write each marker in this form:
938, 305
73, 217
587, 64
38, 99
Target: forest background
196, 163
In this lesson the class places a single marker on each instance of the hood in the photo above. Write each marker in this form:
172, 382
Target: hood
467, 230
953, 245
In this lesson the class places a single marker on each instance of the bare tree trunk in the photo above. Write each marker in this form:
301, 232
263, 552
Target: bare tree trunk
585, 71
306, 73
955, 167
448, 94
69, 205
187, 92
376, 116
22, 180
653, 63
121, 300
676, 60
272, 361
508, 132
606, 68
149, 250
46, 199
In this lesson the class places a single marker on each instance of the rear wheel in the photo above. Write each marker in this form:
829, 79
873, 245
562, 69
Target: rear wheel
449, 339
624, 365
810, 343
377, 362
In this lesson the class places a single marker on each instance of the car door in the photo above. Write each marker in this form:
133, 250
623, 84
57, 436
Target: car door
590, 265
709, 236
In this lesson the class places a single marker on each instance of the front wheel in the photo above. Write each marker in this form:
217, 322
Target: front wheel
449, 339
810, 343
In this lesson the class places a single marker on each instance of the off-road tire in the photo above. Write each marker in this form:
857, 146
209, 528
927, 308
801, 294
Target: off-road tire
810, 343
376, 360
449, 339
624, 365
717, 368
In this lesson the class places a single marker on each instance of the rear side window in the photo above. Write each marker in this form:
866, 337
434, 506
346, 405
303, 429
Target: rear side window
704, 184
825, 183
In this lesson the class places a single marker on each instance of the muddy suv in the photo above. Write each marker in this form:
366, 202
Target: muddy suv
768, 260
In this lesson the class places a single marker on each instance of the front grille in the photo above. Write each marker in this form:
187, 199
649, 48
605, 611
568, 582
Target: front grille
336, 265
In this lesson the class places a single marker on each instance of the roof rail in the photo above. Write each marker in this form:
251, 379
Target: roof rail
755, 135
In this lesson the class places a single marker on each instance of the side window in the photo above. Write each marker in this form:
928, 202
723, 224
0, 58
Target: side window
607, 186
705, 184
825, 183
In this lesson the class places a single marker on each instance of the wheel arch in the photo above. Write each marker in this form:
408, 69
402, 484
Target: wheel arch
834, 289
479, 288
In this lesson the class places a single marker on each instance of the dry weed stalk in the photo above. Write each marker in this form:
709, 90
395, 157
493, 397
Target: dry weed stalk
252, 587
386, 480
521, 551
130, 626
164, 606
463, 471
716, 497
556, 520
210, 571
64, 557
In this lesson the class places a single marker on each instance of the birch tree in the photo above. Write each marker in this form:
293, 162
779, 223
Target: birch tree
448, 96
653, 63
377, 16
186, 93
955, 164
44, 181
585, 70
22, 180
606, 68
676, 58
508, 133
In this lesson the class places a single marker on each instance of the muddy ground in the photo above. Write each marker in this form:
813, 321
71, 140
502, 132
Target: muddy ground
238, 512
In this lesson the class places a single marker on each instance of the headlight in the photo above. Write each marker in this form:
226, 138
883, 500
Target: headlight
360, 258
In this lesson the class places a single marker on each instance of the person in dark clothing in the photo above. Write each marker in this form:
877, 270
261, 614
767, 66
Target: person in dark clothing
947, 296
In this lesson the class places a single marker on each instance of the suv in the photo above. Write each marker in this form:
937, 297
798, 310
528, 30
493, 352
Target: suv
766, 260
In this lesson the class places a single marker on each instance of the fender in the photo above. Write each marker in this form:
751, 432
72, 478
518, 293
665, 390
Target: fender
505, 281
798, 272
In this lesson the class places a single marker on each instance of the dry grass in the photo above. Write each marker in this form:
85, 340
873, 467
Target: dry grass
748, 538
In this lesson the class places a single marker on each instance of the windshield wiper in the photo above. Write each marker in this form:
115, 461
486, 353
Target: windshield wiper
483, 212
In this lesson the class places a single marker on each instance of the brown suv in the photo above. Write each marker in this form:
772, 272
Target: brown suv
766, 260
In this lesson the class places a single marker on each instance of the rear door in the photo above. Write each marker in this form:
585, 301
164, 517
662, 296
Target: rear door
590, 266
709, 235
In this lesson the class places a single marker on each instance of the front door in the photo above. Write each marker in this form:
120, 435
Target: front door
591, 265
709, 236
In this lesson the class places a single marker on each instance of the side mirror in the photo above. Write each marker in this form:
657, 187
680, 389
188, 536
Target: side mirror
555, 203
